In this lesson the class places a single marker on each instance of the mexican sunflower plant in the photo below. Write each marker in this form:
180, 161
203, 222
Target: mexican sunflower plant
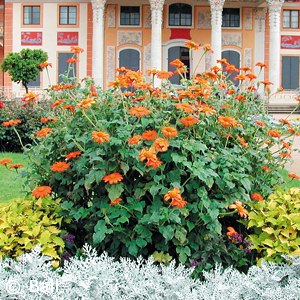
143, 170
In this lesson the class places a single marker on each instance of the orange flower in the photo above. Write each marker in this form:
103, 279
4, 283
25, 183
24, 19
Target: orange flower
179, 203
262, 124
274, 133
245, 68
231, 231
147, 154
285, 122
225, 106
60, 166
176, 199
231, 68
185, 107
16, 166
5, 161
243, 213
257, 197
230, 92
293, 176
45, 65
76, 49
139, 111
265, 168
189, 121
161, 145
115, 202
266, 83
205, 108
226, 121
223, 61
41, 191
164, 74
192, 45
153, 162
73, 155
241, 98
30, 97
113, 178
43, 132
11, 123
134, 140
151, 72
57, 103
149, 135
261, 65
240, 77
177, 63
286, 145
207, 48
242, 141
100, 136
251, 76
69, 107
286, 155
72, 60
86, 103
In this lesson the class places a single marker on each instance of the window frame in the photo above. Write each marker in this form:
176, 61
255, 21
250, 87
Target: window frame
77, 18
181, 26
57, 65
23, 25
130, 25
281, 73
290, 19
240, 18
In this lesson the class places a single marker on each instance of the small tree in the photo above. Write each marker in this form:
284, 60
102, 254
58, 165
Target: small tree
24, 66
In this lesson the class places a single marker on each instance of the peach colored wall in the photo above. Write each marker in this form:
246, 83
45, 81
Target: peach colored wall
8, 31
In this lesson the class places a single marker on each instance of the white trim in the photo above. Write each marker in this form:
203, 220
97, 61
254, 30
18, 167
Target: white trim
128, 48
177, 26
129, 26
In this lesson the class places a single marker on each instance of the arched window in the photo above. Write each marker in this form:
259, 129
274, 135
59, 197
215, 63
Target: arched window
130, 59
233, 57
180, 14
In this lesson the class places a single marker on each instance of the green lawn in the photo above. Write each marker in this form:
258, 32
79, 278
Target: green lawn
11, 182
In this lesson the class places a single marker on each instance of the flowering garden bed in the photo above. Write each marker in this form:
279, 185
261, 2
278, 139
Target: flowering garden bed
172, 174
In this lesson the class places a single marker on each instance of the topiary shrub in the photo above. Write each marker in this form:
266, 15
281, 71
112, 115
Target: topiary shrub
145, 171
25, 223
276, 225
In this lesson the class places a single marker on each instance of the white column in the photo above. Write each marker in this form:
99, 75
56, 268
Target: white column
156, 32
98, 42
216, 8
274, 43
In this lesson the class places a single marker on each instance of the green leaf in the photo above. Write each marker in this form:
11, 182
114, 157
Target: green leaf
100, 231
114, 190
246, 184
180, 235
167, 232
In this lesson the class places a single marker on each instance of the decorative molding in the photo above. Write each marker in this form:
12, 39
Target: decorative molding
216, 8
232, 39
111, 16
98, 9
216, 4
248, 57
157, 4
274, 12
147, 58
147, 16
248, 18
260, 18
110, 63
129, 37
204, 18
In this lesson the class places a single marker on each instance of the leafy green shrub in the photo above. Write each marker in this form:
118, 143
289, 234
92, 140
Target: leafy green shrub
29, 116
148, 171
276, 225
25, 223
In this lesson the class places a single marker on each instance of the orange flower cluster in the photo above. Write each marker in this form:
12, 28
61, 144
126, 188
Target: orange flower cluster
86, 103
241, 98
113, 178
192, 45
73, 155
176, 199
189, 121
43, 132
177, 63
243, 213
11, 123
231, 231
186, 107
205, 108
30, 97
265, 168
161, 145
139, 111
261, 65
169, 132
76, 49
262, 124
5, 161
60, 167
41, 191
151, 158
62, 86
257, 197
164, 74
226, 121
293, 176
72, 60
48, 119
57, 103
100, 136
242, 141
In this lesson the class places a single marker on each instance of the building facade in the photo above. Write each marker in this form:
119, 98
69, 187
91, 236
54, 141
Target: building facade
141, 34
